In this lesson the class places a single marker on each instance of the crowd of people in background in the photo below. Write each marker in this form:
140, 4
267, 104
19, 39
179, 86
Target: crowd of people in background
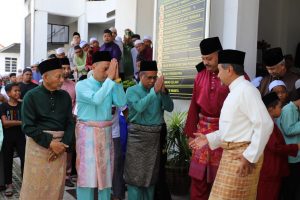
72, 123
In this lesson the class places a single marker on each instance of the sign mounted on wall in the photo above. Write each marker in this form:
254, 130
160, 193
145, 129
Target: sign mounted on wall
181, 25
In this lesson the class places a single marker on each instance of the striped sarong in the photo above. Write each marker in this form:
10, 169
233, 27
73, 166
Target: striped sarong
94, 148
43, 179
228, 185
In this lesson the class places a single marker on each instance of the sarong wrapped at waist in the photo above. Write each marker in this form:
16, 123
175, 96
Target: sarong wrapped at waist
43, 179
94, 148
228, 184
204, 161
142, 155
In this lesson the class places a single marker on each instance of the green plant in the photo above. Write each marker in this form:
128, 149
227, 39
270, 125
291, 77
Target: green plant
177, 147
128, 83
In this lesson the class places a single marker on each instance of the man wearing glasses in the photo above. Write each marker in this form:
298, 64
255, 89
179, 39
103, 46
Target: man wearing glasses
146, 102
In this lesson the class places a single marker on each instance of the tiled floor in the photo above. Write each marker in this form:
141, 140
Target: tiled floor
69, 192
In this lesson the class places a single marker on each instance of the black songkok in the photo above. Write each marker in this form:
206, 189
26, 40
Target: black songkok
64, 61
99, 56
270, 98
230, 56
210, 45
48, 65
273, 56
148, 66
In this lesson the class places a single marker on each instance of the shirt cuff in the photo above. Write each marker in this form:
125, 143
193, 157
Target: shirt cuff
213, 140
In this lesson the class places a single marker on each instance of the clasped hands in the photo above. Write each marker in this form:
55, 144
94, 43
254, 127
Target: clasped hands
159, 85
56, 148
113, 70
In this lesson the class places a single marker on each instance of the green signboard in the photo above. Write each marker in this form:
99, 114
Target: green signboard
180, 28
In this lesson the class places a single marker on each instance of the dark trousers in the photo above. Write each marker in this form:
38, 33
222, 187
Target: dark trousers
2, 181
291, 184
12, 141
161, 191
118, 183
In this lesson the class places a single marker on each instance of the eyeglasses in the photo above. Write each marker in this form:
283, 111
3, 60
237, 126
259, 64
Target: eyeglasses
151, 77
77, 52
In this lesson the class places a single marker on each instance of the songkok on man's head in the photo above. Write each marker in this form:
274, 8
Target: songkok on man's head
64, 61
273, 56
48, 65
60, 50
210, 45
147, 37
93, 39
112, 29
276, 83
230, 56
99, 56
148, 66
138, 42
76, 33
82, 44
270, 98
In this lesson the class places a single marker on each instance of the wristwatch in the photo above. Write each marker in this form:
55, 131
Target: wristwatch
118, 80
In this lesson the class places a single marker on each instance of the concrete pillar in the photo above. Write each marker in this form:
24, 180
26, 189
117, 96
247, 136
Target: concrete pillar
240, 29
126, 15
39, 36
83, 27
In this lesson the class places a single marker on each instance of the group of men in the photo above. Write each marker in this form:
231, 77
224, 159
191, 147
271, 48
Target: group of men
228, 125
48, 122
128, 52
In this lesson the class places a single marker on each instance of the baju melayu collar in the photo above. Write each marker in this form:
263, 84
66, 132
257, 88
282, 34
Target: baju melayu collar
147, 107
236, 82
94, 99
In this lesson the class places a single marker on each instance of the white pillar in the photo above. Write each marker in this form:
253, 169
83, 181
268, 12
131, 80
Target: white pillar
83, 27
241, 28
39, 36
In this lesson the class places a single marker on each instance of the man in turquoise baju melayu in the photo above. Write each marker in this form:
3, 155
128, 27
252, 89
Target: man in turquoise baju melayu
95, 97
147, 102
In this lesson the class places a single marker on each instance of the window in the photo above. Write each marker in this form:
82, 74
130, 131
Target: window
10, 64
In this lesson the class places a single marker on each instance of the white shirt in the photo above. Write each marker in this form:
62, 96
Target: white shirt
244, 118
134, 54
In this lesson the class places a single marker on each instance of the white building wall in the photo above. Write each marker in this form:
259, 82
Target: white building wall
2, 62
126, 15
96, 11
65, 8
145, 18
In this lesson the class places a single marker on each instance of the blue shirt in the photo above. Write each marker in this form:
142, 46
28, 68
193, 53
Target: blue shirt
147, 107
95, 99
289, 124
